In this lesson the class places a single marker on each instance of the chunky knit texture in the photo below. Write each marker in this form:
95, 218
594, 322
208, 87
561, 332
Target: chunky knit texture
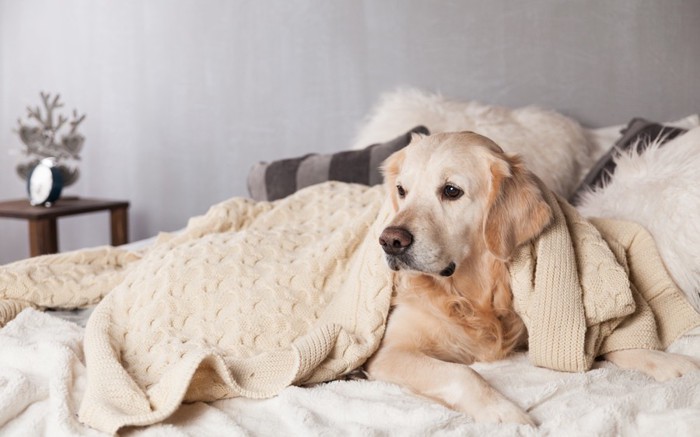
69, 280
251, 298
585, 288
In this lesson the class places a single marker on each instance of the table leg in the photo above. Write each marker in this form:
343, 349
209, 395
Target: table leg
120, 226
43, 237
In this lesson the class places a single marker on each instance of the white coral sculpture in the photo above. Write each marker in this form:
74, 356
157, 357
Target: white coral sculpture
40, 140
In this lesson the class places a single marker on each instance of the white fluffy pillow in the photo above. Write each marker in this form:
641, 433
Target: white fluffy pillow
553, 146
660, 189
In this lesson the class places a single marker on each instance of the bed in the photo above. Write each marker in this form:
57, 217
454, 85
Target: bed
43, 374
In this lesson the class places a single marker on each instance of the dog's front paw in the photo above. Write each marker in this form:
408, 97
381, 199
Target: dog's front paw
500, 410
659, 365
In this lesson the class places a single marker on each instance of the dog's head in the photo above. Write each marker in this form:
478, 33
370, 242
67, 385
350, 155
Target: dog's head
455, 194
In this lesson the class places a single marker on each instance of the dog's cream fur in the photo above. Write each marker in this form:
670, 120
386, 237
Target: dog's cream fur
461, 207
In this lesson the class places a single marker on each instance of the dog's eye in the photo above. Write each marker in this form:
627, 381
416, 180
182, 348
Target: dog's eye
450, 192
401, 192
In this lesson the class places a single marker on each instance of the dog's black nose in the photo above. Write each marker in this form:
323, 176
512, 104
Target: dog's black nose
395, 240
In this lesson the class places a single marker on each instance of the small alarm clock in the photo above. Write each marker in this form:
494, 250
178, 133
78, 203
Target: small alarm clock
44, 183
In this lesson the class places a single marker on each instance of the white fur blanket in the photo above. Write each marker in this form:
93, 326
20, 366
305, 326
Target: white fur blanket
43, 377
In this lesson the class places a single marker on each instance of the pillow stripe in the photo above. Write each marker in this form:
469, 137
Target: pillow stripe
256, 181
281, 177
313, 170
377, 156
380, 152
350, 166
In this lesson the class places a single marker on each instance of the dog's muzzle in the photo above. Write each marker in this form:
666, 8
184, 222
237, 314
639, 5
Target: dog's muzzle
395, 242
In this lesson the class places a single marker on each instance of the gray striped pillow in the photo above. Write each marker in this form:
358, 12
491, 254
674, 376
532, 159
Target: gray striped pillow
638, 133
277, 179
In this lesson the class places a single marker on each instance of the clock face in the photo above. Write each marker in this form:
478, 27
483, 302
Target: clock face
40, 184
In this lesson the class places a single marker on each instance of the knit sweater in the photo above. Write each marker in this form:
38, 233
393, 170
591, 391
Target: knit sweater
588, 287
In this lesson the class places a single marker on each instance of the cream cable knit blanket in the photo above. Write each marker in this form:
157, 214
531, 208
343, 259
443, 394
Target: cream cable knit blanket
585, 288
68, 280
253, 297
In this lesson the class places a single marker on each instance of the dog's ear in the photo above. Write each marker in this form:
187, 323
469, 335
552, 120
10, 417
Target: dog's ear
516, 211
390, 169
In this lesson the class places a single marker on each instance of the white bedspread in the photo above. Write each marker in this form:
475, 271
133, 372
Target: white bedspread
42, 379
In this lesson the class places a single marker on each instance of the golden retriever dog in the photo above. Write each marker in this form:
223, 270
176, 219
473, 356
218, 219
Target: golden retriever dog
461, 208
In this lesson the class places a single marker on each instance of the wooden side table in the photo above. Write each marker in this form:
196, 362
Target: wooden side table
43, 235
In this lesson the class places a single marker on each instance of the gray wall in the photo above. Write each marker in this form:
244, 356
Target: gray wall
183, 96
